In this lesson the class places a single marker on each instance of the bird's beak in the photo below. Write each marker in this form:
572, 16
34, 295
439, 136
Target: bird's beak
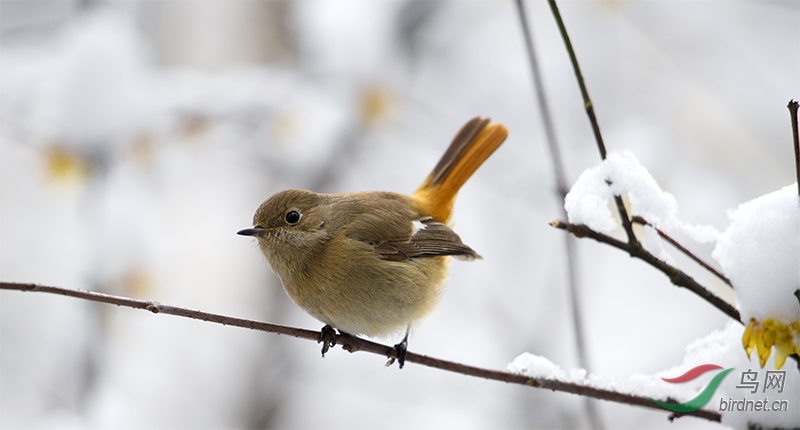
255, 231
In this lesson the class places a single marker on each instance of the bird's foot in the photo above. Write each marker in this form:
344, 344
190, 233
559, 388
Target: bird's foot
327, 337
400, 349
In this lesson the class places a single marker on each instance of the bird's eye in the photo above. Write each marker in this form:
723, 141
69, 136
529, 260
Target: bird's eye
292, 217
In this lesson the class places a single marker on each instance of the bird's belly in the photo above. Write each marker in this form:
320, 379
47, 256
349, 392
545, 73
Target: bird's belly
375, 303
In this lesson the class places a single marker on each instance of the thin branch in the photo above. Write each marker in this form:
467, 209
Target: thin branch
793, 106
544, 106
587, 103
676, 276
353, 344
639, 220
561, 189
160, 308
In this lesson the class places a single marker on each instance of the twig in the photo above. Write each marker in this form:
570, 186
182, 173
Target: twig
676, 276
639, 220
587, 103
544, 107
353, 344
561, 189
160, 308
793, 106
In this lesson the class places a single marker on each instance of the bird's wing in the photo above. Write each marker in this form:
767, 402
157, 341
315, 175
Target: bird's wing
430, 238
398, 233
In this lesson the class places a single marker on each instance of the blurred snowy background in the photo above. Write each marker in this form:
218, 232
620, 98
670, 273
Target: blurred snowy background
136, 138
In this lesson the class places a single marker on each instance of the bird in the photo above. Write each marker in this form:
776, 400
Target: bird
372, 263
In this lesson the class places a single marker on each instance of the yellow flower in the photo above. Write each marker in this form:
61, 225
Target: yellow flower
762, 336
65, 166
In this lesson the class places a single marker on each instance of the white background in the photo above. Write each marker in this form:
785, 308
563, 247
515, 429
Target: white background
189, 114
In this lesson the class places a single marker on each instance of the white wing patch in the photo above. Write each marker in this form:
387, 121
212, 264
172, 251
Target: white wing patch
416, 226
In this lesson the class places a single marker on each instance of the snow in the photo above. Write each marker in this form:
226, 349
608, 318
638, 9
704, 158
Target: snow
652, 242
535, 366
722, 347
589, 202
540, 367
219, 142
760, 253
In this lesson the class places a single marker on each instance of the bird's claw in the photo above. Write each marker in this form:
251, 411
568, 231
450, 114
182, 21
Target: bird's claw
401, 349
327, 337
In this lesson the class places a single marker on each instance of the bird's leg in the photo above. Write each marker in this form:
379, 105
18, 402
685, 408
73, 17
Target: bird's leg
401, 349
327, 337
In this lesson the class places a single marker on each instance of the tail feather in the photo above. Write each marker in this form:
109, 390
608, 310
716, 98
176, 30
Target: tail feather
471, 146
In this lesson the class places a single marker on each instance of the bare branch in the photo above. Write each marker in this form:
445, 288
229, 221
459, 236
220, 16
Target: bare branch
676, 276
793, 106
160, 308
587, 103
639, 220
352, 344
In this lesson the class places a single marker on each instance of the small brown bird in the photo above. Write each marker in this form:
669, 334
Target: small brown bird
372, 262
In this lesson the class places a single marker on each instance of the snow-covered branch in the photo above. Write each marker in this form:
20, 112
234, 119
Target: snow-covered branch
641, 221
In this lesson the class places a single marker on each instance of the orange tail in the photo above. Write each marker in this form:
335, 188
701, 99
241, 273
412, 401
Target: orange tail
473, 144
